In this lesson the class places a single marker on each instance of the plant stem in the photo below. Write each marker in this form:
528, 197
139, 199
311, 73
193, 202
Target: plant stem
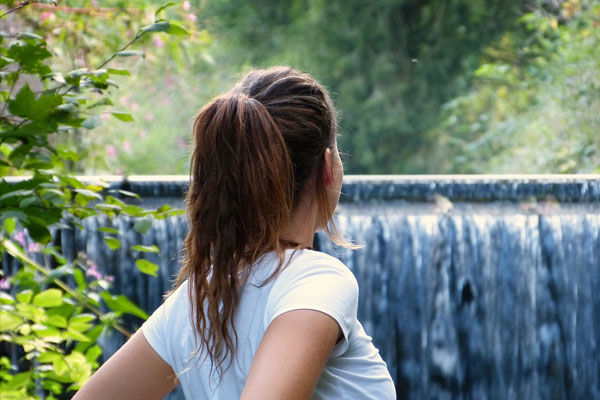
23, 4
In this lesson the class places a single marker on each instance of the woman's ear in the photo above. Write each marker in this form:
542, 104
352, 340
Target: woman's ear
328, 174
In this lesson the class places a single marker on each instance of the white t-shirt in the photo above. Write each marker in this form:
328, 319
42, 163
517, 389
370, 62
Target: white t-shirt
312, 280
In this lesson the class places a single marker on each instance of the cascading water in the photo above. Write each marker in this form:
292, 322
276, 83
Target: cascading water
471, 287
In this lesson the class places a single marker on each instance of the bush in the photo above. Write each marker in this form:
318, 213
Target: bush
51, 308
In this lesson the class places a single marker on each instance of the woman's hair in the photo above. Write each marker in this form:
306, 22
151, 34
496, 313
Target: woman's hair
256, 149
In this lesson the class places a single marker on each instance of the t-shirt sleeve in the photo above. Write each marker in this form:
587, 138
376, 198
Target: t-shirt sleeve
321, 283
156, 327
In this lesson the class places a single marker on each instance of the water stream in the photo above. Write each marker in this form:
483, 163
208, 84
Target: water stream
472, 288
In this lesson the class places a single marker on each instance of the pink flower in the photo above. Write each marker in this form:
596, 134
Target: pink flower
187, 6
105, 117
45, 15
93, 272
165, 101
111, 151
149, 117
118, 171
124, 100
127, 146
109, 278
134, 106
157, 42
4, 284
192, 17
34, 247
143, 133
20, 238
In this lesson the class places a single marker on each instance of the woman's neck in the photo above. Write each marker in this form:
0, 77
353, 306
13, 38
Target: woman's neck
303, 224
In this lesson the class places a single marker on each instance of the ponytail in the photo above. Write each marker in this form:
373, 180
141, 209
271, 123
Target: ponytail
242, 194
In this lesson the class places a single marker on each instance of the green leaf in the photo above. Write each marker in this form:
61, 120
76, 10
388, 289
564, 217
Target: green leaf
134, 211
79, 279
82, 319
24, 296
30, 57
92, 122
19, 380
113, 243
9, 225
108, 230
8, 321
169, 27
29, 35
38, 232
125, 117
48, 298
6, 298
88, 193
160, 26
122, 304
75, 335
23, 102
142, 225
125, 193
146, 249
116, 71
102, 102
57, 320
92, 354
45, 331
163, 7
109, 208
176, 29
146, 267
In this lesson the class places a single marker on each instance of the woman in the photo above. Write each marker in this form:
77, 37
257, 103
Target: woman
256, 314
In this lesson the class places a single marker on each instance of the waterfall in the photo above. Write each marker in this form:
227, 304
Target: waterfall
471, 287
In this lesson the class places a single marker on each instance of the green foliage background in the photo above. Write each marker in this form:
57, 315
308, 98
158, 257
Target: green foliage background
421, 87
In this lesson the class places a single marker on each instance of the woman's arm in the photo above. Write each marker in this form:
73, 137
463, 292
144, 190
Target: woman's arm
291, 356
136, 371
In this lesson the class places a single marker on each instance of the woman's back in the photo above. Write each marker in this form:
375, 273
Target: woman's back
311, 280
265, 176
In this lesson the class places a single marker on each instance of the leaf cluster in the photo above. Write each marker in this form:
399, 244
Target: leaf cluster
54, 312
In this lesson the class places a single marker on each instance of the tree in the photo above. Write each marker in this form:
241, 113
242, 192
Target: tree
533, 106
390, 64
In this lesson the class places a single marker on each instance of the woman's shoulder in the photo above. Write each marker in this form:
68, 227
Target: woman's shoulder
313, 269
306, 257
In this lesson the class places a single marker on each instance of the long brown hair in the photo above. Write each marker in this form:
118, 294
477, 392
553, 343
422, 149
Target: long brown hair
256, 147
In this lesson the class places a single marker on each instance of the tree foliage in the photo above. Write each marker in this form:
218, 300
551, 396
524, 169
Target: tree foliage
52, 308
533, 106
390, 64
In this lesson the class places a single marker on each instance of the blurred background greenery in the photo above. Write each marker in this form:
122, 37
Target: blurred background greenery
461, 86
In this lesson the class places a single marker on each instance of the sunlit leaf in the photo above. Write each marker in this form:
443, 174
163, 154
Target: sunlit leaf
146, 267
122, 116
112, 243
122, 304
48, 298
9, 225
146, 249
